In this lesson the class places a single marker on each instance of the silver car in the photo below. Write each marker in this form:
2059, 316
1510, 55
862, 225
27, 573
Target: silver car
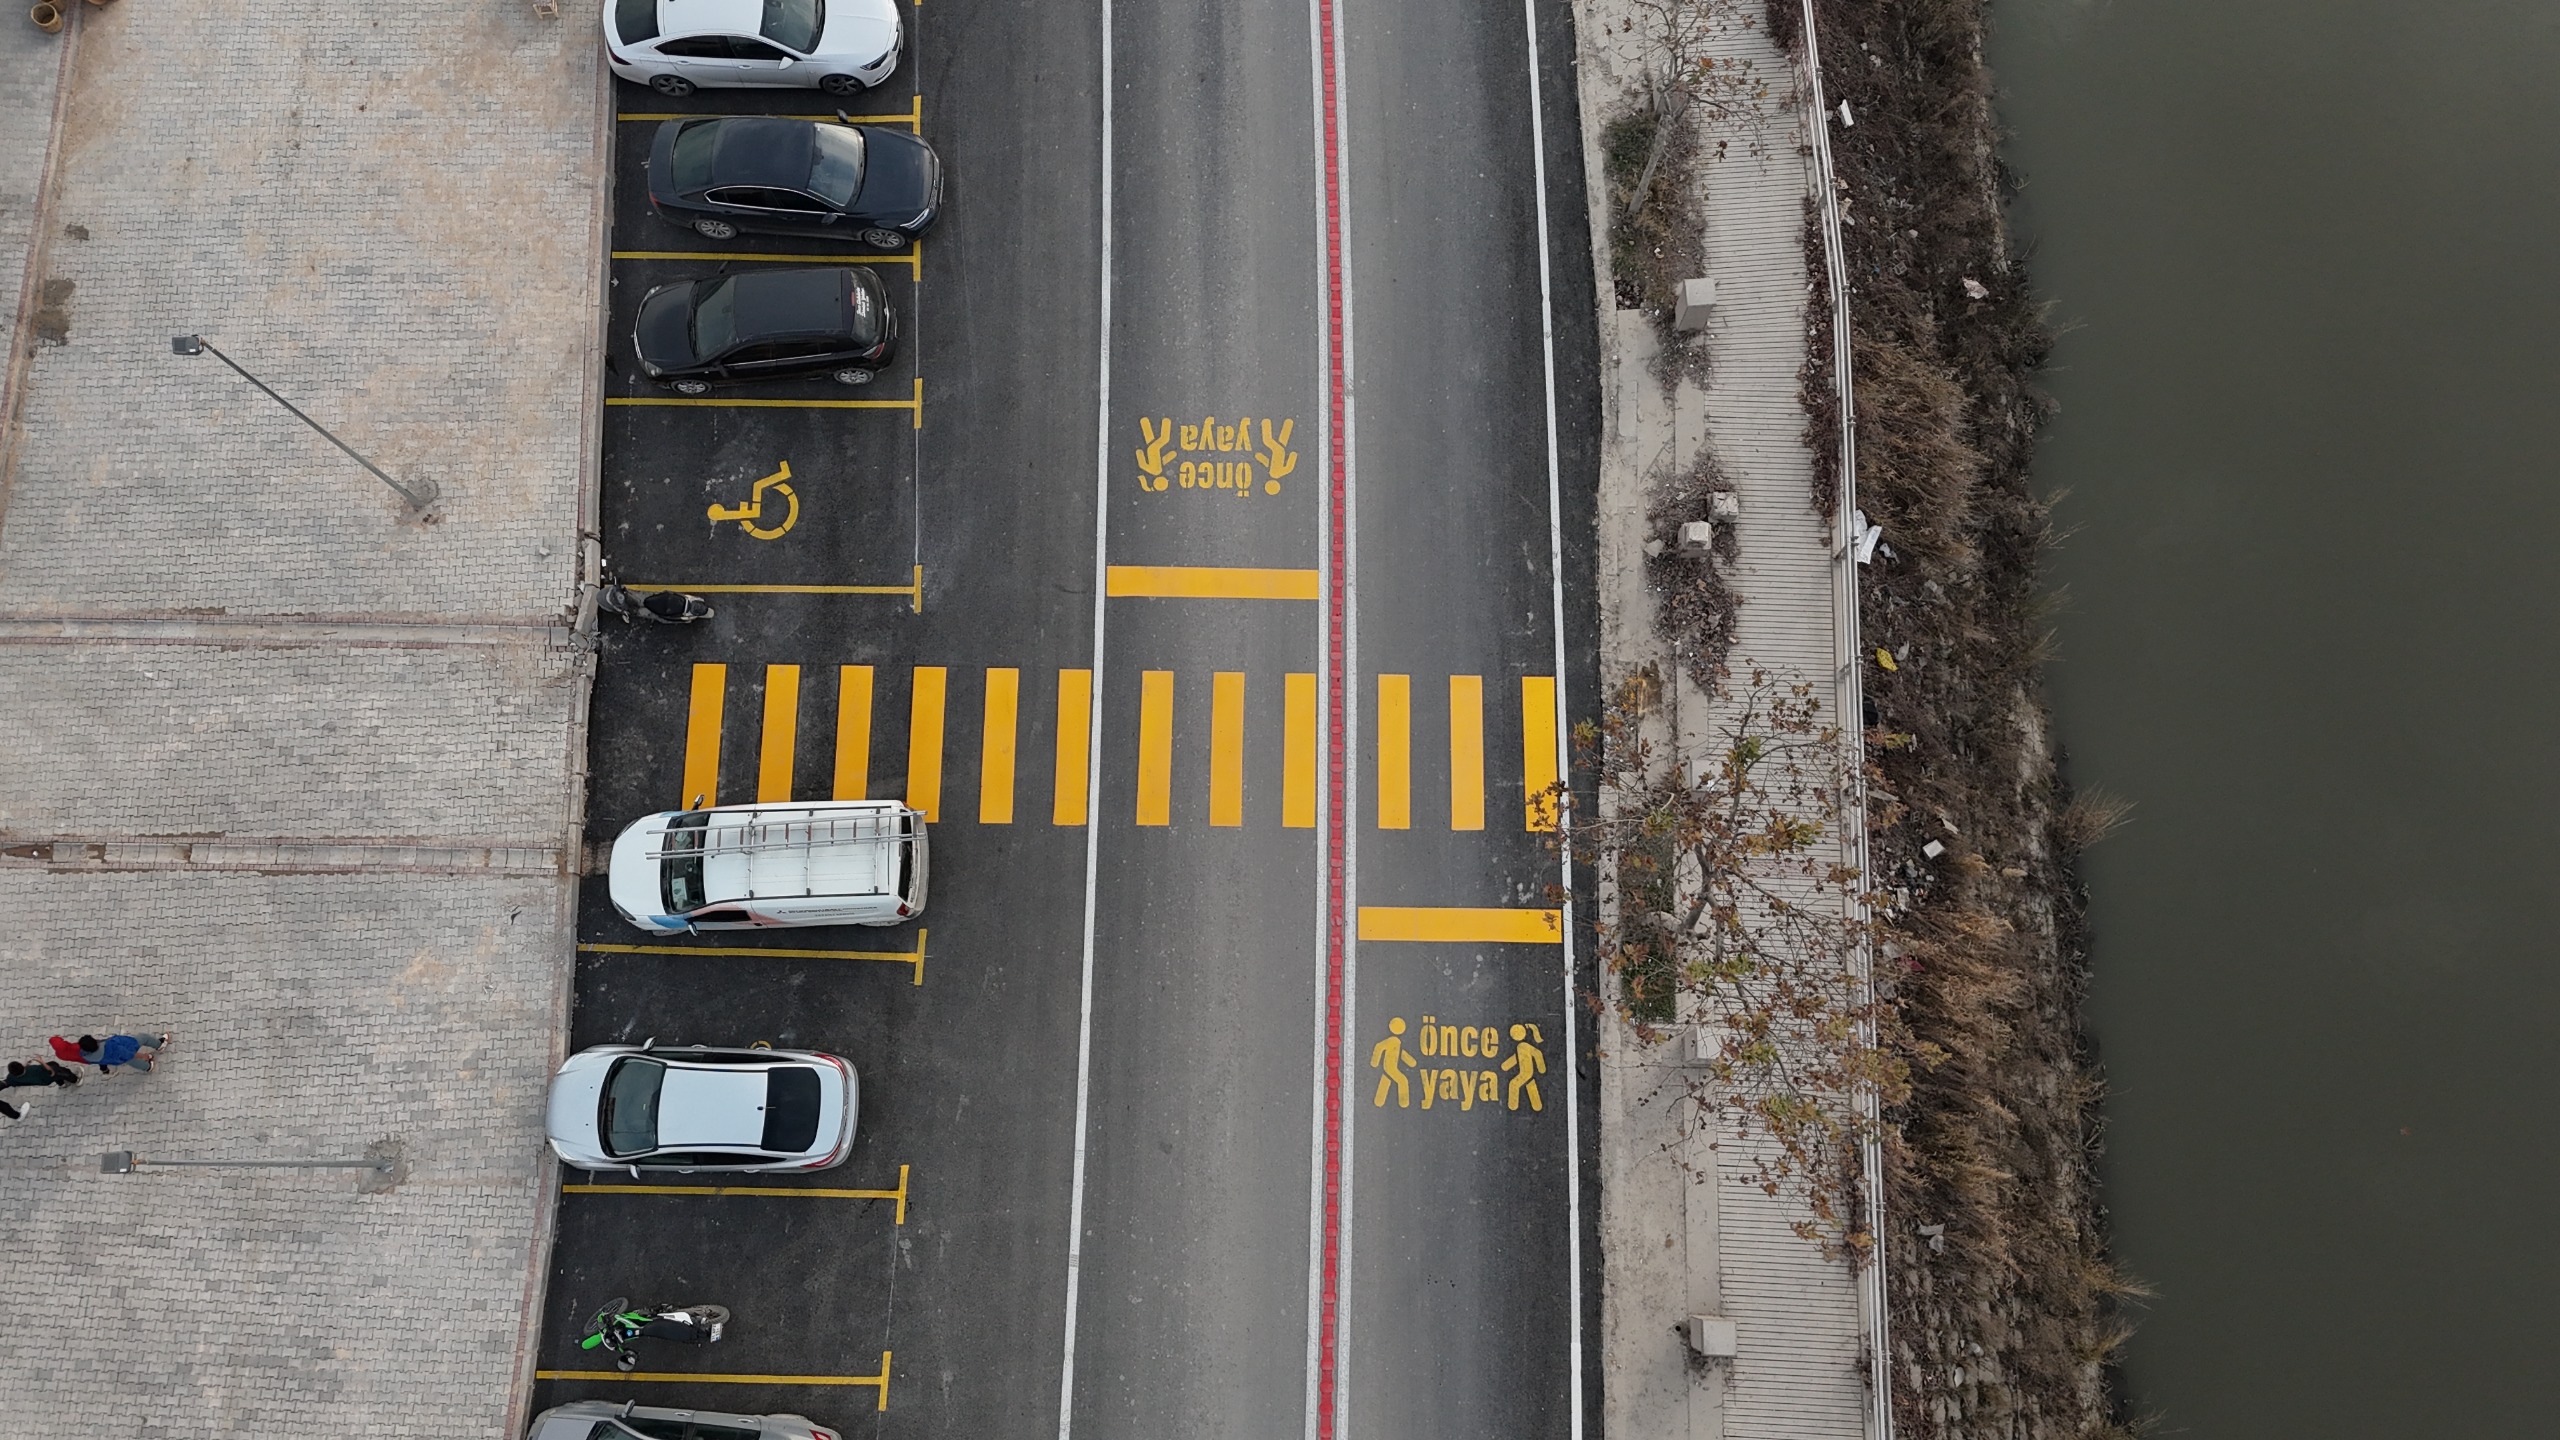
702, 1107
630, 1420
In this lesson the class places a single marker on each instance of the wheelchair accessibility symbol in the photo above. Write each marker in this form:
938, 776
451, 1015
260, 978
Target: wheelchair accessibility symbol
755, 509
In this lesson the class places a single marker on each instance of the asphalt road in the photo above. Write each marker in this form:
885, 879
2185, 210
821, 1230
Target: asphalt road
1133, 956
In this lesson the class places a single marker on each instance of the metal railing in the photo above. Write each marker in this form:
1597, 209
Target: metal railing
748, 837
1848, 686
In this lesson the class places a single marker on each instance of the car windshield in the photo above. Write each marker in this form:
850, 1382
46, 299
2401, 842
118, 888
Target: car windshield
795, 24
683, 864
715, 318
692, 158
836, 172
636, 20
628, 1118
790, 1111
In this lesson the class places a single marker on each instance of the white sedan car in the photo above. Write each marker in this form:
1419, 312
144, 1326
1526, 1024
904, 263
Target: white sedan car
701, 1107
675, 47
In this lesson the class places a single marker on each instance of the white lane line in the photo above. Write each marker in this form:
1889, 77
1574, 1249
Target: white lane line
1555, 577
1324, 735
1350, 907
1093, 762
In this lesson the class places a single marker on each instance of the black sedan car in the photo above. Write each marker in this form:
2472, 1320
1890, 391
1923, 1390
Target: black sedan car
766, 325
728, 174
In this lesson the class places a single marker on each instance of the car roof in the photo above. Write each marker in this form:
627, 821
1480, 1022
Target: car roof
710, 17
763, 150
771, 303
711, 1105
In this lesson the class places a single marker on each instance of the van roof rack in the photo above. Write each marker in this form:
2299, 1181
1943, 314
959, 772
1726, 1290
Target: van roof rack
747, 837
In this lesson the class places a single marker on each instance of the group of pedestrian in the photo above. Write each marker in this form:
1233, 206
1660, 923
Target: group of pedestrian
107, 1056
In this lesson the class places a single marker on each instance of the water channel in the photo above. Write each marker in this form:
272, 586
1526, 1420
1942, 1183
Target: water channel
2305, 249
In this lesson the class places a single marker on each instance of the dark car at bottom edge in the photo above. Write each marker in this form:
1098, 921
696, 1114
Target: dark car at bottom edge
766, 325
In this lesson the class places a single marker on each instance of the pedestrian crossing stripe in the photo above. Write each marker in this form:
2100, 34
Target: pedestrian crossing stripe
1454, 736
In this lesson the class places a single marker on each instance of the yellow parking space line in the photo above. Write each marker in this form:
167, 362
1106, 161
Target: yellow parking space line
1538, 749
995, 748
914, 116
1395, 752
800, 1192
912, 259
853, 732
702, 736
879, 1382
781, 734
1454, 923
663, 401
912, 958
1298, 753
1226, 748
1072, 805
1209, 582
1466, 752
913, 591
1155, 748
924, 741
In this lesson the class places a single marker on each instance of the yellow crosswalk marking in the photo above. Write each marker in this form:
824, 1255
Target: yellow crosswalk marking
995, 748
1455, 923
853, 732
1155, 748
1209, 582
1298, 754
1075, 748
1466, 752
1395, 752
924, 742
781, 734
1226, 748
1538, 748
702, 736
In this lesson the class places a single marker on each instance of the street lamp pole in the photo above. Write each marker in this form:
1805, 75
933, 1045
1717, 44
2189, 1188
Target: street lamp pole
197, 344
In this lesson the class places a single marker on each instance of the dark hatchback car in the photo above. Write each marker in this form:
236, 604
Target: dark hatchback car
766, 325
779, 176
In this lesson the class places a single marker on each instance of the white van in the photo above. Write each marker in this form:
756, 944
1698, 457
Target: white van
742, 867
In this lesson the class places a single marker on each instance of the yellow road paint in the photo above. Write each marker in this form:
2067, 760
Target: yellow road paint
1227, 456
1072, 805
924, 741
1226, 748
853, 732
781, 734
879, 1382
1155, 748
1298, 758
1538, 749
1453, 923
752, 510
913, 591
1395, 752
912, 259
1466, 752
663, 401
792, 1191
914, 116
995, 748
1208, 582
702, 736
911, 958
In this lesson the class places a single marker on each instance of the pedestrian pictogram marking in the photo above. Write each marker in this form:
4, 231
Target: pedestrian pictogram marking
1155, 748
1466, 752
1395, 752
1072, 805
1466, 1074
995, 748
702, 736
924, 741
781, 734
853, 732
1461, 923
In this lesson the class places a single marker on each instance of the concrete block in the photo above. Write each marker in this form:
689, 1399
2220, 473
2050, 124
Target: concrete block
1712, 1336
1697, 297
1724, 506
1698, 539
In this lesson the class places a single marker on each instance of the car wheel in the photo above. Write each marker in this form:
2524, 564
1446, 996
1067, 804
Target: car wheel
693, 387
841, 85
855, 375
879, 239
715, 229
671, 86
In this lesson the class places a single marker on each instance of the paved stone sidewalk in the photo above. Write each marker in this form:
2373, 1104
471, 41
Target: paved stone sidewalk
288, 770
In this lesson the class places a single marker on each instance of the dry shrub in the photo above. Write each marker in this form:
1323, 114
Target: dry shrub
1693, 606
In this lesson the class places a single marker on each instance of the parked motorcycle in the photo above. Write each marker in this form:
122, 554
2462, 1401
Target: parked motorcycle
657, 607
613, 1328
